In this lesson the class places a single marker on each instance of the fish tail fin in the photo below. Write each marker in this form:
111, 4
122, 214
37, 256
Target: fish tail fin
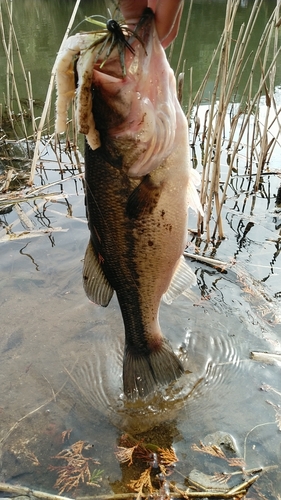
144, 372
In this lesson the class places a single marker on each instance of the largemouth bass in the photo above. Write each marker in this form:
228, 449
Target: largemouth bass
139, 184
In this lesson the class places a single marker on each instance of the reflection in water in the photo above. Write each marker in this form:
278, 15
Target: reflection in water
242, 237
30, 256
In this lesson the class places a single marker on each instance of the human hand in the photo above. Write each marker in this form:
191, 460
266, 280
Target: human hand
167, 15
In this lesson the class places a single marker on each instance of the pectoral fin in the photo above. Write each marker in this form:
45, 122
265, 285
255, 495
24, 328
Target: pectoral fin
181, 282
193, 198
96, 285
144, 198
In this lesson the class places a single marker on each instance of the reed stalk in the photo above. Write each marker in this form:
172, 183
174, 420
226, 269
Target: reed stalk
233, 61
48, 98
15, 41
31, 101
242, 130
8, 49
197, 100
184, 38
273, 34
212, 153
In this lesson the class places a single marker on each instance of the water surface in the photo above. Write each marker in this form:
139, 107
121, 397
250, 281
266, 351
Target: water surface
61, 356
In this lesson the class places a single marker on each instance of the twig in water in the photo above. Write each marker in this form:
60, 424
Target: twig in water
207, 260
23, 491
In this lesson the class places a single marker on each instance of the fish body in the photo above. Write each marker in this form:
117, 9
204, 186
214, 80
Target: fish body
138, 183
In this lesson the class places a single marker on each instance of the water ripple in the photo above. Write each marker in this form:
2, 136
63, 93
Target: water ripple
211, 362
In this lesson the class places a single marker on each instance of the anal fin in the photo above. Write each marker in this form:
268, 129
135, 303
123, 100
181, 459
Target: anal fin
181, 282
96, 285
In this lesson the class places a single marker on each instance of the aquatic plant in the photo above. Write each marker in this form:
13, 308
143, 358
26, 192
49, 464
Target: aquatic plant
159, 464
77, 468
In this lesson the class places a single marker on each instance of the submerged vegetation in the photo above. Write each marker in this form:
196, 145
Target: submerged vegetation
149, 470
77, 468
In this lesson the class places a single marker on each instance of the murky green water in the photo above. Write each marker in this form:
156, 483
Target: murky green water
61, 356
40, 27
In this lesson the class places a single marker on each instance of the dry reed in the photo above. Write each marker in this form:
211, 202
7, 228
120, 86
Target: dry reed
245, 123
231, 60
9, 40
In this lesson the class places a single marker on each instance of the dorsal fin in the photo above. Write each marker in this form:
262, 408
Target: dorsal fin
96, 285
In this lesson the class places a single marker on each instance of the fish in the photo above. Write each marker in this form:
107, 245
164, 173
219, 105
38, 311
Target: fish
139, 185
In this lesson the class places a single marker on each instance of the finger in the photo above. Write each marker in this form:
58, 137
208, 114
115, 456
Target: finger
167, 19
132, 9
174, 30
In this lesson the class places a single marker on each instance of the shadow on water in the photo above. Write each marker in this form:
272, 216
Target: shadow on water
61, 356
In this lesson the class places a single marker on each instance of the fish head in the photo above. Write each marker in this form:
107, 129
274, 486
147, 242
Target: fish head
136, 113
